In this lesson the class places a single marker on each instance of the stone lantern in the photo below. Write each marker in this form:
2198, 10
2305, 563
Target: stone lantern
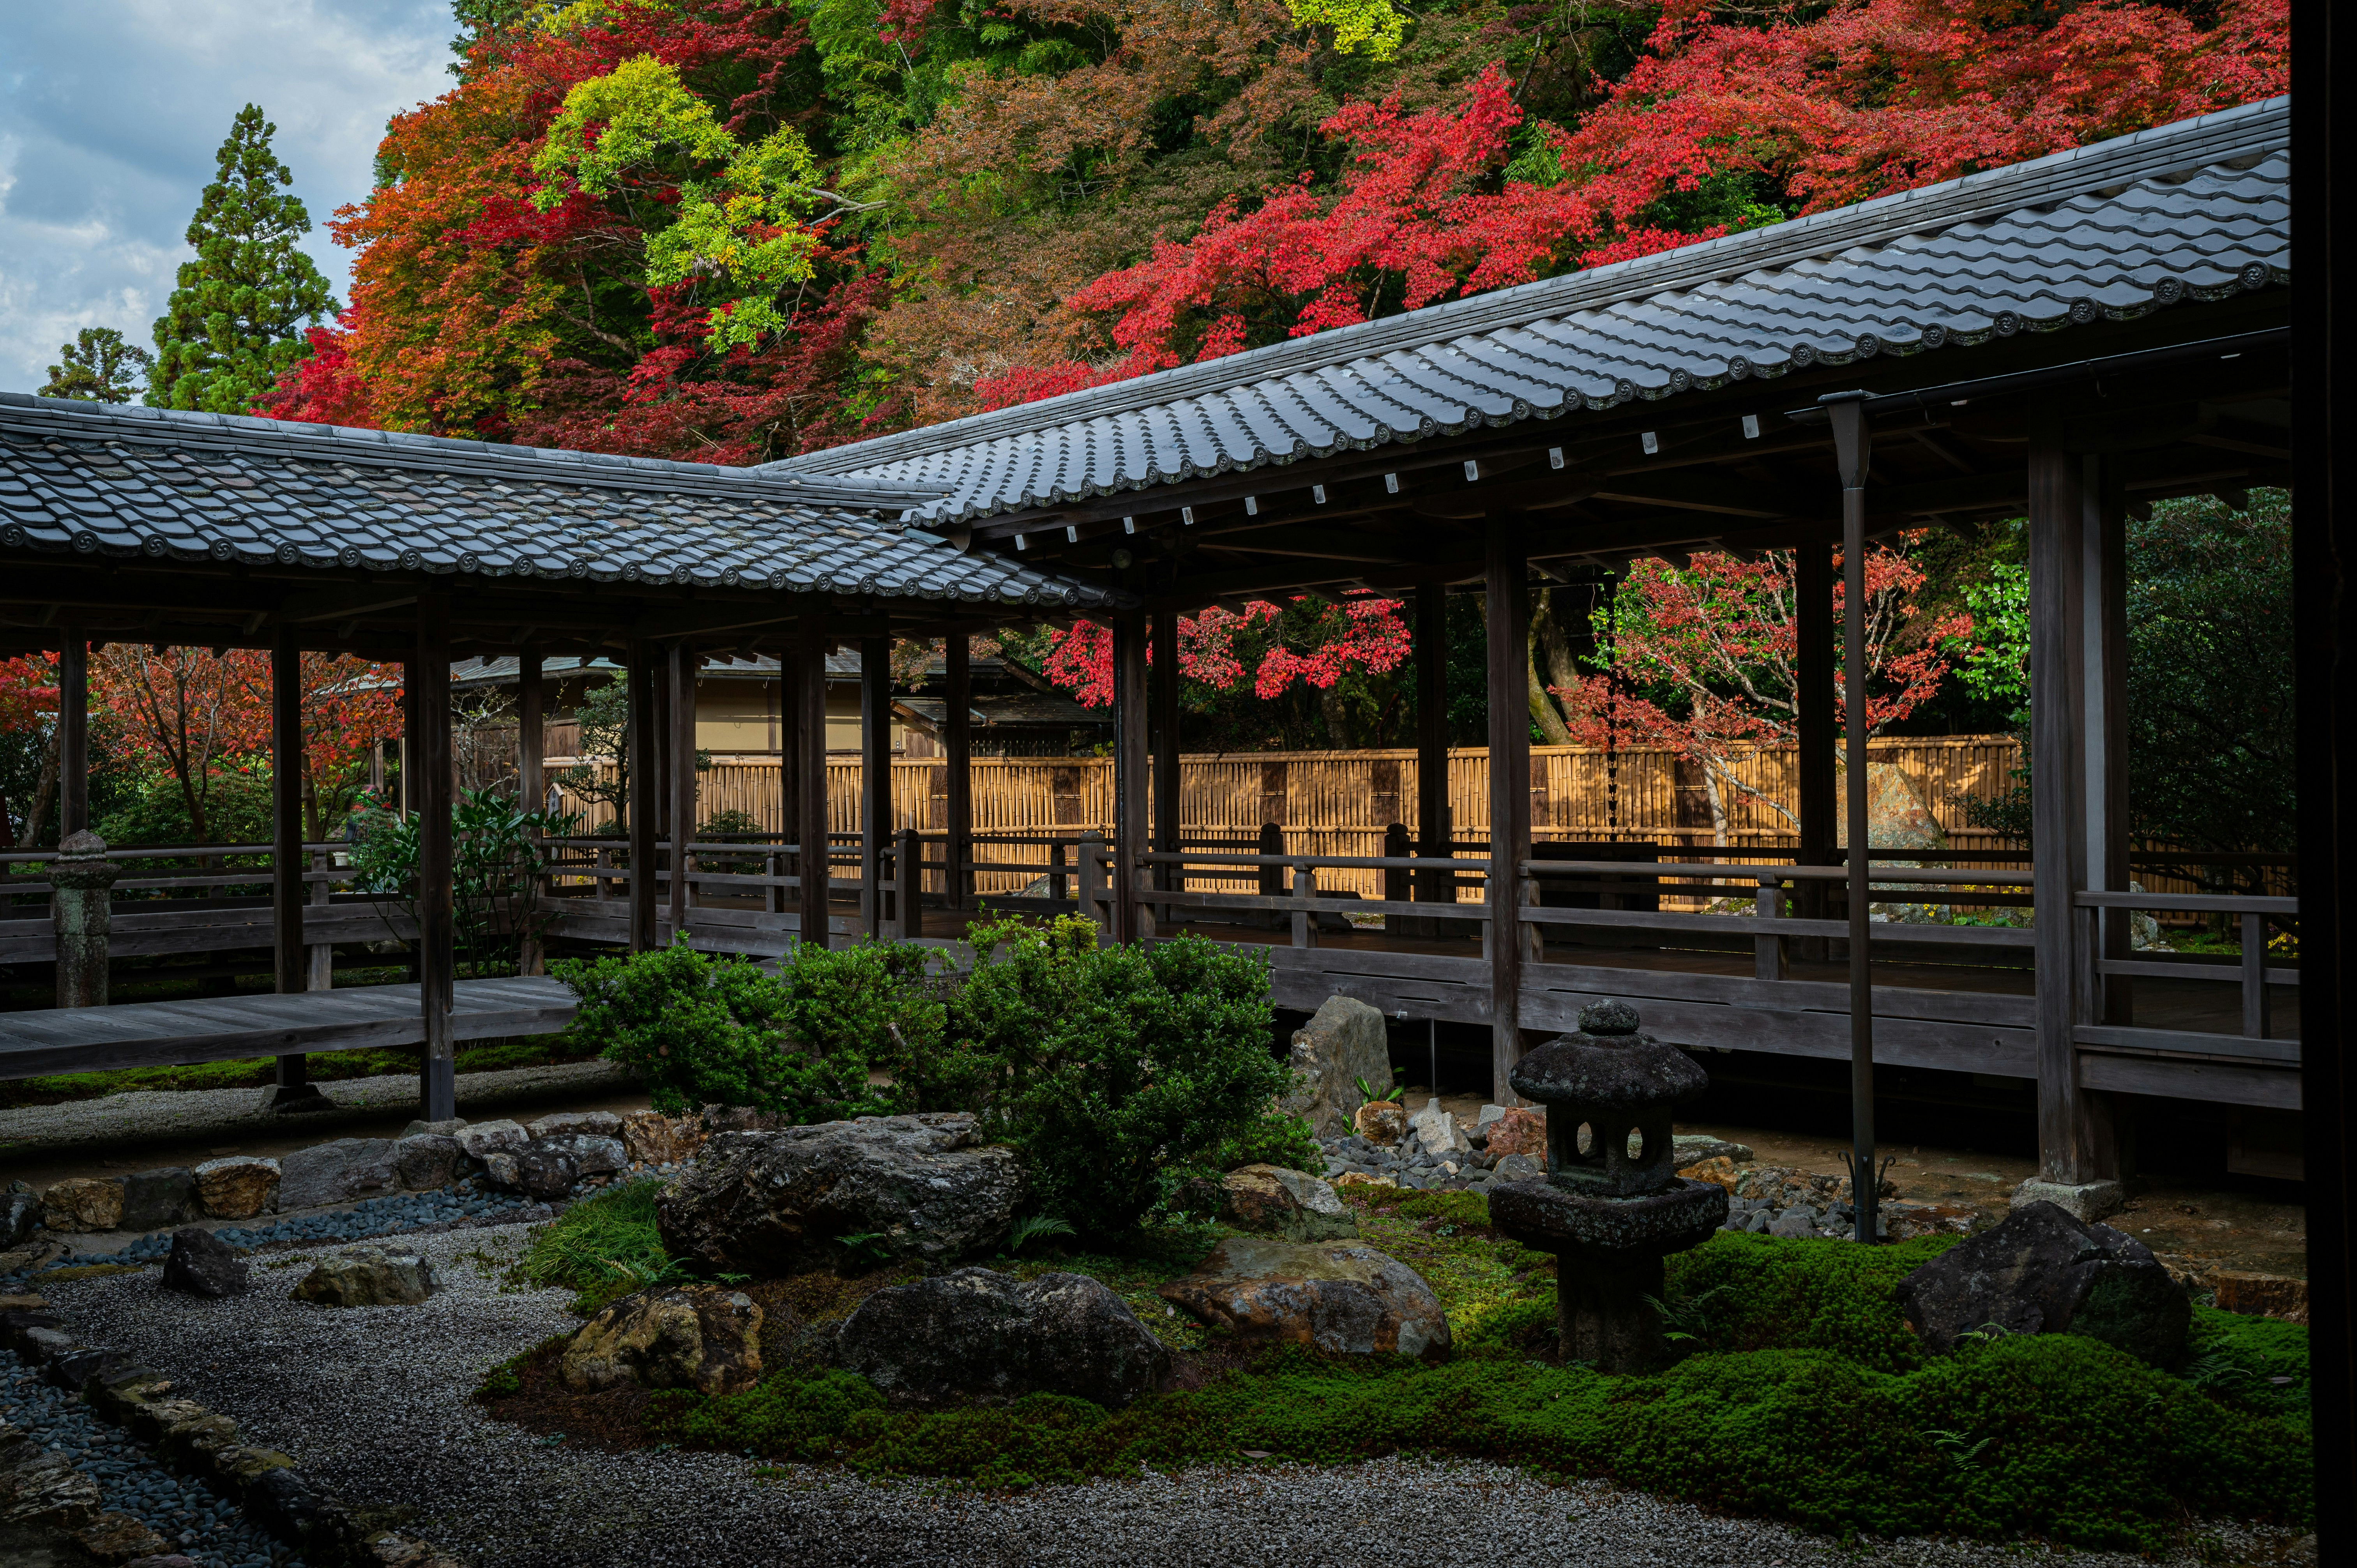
1612, 1206
81, 881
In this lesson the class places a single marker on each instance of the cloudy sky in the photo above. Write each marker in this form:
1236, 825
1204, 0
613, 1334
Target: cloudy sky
110, 112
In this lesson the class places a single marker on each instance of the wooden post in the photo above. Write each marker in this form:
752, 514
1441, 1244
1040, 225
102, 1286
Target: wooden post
1162, 679
638, 672
2074, 1145
1305, 899
1813, 598
1768, 953
1506, 570
875, 775
1130, 782
2105, 582
908, 884
1091, 884
322, 955
1272, 878
1852, 454
958, 734
1398, 888
2258, 1018
813, 868
531, 773
291, 968
1433, 827
73, 737
429, 678
681, 672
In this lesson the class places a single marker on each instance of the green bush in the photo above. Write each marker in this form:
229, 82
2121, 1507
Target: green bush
1272, 1138
602, 1247
1119, 1072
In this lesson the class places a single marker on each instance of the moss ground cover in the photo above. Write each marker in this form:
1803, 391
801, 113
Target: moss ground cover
1805, 1396
253, 1073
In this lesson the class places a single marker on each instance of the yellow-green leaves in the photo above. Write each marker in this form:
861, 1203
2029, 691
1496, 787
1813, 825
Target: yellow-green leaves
644, 112
738, 235
1370, 24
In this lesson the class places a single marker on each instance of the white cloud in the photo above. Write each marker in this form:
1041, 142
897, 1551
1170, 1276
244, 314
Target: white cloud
111, 111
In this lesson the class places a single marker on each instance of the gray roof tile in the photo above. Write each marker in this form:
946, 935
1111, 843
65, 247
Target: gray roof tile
95, 480
2110, 230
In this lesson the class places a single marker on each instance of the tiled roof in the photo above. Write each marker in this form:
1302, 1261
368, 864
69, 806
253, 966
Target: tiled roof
93, 480
2200, 209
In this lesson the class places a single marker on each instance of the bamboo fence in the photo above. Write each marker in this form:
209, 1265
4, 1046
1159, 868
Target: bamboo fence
1339, 803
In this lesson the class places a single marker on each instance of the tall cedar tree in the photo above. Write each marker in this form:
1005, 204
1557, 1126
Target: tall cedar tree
98, 367
235, 321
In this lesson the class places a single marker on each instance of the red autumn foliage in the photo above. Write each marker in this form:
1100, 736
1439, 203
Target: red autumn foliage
1362, 633
324, 388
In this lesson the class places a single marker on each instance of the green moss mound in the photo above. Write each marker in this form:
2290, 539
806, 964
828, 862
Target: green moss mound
1761, 1293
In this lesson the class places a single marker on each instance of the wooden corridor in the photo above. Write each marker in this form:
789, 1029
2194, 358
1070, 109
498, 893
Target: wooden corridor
365, 1017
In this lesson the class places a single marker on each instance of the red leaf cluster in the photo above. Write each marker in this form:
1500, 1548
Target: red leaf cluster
1363, 632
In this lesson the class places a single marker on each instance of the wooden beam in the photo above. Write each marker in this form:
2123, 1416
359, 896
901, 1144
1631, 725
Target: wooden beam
1852, 457
875, 778
809, 679
290, 964
1506, 588
531, 773
681, 667
2073, 1142
73, 737
1813, 598
1130, 785
436, 961
958, 744
1162, 677
1432, 825
643, 801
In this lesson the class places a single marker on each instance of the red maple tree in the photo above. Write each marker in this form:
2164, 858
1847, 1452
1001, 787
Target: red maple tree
1363, 632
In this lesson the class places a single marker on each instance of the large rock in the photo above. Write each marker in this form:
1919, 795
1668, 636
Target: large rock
1341, 1044
592, 1153
368, 1276
1380, 1122
1293, 1205
705, 1337
19, 1212
977, 1335
82, 1203
337, 1172
2043, 1272
565, 1123
774, 1203
1437, 1129
1519, 1130
481, 1140
153, 1199
1897, 814
653, 1138
536, 1170
1339, 1296
423, 1161
201, 1263
237, 1187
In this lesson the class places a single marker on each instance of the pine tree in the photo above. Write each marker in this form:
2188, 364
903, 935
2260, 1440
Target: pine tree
235, 320
100, 367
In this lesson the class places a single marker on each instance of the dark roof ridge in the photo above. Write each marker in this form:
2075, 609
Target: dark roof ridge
74, 420
2189, 145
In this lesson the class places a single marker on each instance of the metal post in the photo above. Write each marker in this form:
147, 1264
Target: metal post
638, 672
958, 734
1852, 443
875, 775
290, 966
436, 963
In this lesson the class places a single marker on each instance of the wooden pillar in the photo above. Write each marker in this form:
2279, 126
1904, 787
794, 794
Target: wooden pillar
645, 812
1506, 569
429, 678
681, 672
1162, 698
290, 966
958, 736
2103, 583
532, 775
810, 761
790, 774
1130, 781
1813, 600
2074, 1144
875, 777
1853, 442
1433, 827
73, 737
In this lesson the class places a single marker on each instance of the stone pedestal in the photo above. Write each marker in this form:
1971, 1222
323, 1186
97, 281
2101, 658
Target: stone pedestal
81, 881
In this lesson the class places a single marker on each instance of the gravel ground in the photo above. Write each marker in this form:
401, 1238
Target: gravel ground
191, 1114
372, 1404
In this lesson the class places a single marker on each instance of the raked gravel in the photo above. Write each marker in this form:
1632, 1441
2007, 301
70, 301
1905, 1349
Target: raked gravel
372, 1403
215, 1112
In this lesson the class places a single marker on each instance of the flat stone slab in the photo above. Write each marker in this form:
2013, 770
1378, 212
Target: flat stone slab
1543, 1215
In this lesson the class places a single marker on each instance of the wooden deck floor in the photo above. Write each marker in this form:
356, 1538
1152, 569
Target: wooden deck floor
362, 1017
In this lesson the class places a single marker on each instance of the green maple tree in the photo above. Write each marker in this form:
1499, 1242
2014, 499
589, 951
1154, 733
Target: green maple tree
235, 320
98, 367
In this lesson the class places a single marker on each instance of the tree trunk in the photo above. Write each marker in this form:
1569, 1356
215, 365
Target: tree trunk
1336, 713
1551, 664
45, 794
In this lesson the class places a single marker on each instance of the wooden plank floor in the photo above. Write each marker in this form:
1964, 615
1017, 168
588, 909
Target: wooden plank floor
223, 1028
